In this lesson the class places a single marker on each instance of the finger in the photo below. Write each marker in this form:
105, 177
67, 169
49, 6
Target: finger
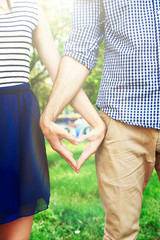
68, 157
83, 138
84, 156
67, 150
86, 137
69, 138
64, 152
69, 161
59, 132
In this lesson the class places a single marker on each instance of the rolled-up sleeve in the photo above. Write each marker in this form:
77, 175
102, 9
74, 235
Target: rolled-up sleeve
87, 32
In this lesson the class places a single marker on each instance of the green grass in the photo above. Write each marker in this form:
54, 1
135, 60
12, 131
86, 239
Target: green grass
75, 204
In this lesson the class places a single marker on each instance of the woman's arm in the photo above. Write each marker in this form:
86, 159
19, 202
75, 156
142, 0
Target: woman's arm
43, 41
72, 73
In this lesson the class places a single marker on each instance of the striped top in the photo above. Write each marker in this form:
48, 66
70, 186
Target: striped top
16, 29
130, 85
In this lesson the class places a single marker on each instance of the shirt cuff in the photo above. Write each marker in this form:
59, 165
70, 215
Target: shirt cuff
88, 61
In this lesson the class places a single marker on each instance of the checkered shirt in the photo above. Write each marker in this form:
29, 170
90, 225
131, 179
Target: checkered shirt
130, 85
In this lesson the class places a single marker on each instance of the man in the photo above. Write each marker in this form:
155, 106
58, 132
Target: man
128, 97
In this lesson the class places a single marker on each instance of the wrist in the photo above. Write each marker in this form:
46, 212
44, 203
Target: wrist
45, 123
47, 115
99, 124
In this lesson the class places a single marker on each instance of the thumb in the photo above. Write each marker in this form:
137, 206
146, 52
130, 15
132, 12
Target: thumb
82, 139
70, 138
85, 137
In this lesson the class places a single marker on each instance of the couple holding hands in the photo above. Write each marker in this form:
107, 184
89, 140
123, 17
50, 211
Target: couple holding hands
125, 136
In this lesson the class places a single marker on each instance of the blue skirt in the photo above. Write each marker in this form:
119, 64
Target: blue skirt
24, 177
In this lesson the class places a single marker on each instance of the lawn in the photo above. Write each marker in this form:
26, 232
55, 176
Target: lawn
75, 210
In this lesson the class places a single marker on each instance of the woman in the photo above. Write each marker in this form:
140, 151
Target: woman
24, 178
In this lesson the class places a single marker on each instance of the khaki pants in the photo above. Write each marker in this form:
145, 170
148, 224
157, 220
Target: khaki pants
124, 163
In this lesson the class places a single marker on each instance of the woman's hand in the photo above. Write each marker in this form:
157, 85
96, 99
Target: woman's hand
55, 134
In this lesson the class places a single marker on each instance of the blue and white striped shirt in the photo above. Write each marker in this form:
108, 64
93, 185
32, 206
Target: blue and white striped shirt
130, 85
16, 30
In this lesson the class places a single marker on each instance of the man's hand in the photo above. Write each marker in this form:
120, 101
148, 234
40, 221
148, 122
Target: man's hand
94, 138
55, 134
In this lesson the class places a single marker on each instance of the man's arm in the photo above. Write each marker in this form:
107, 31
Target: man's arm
70, 77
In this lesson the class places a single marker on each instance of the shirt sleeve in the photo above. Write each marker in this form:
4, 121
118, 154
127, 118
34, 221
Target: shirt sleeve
87, 32
33, 11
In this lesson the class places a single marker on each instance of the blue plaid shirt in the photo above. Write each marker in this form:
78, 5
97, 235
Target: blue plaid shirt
130, 85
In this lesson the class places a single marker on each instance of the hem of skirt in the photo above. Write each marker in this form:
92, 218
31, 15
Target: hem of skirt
16, 216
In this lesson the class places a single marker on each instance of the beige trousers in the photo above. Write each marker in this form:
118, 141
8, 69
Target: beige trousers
124, 163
